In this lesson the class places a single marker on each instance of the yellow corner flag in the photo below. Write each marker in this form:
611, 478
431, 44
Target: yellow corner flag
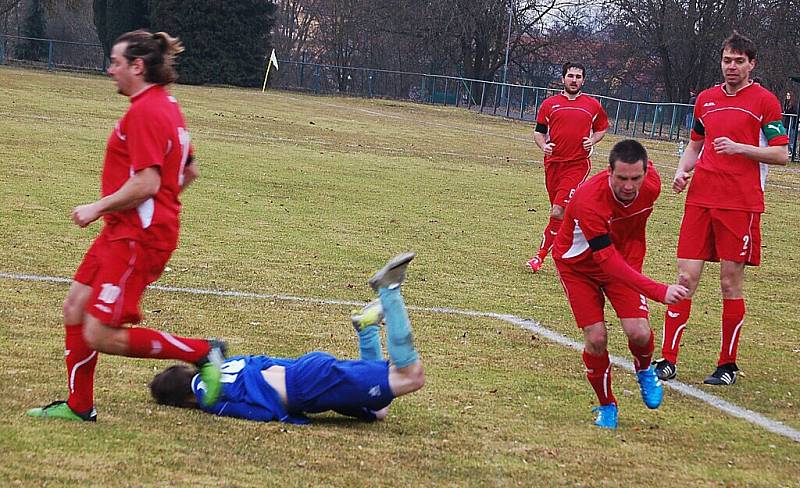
272, 60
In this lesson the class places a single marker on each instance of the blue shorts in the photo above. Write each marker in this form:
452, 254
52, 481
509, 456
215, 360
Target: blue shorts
318, 382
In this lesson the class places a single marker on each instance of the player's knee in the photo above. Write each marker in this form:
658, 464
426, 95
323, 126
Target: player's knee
73, 310
416, 377
689, 280
596, 341
98, 336
730, 288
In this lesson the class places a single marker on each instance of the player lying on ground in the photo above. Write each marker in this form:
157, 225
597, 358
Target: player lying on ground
266, 388
599, 252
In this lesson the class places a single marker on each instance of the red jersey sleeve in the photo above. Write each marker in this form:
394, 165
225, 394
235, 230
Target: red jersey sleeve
600, 122
698, 105
544, 112
148, 139
772, 123
612, 263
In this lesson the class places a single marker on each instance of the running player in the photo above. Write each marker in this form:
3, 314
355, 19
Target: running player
737, 133
265, 388
599, 253
567, 128
148, 163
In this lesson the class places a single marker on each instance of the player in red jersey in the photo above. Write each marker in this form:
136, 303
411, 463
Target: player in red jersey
737, 133
148, 163
567, 128
599, 252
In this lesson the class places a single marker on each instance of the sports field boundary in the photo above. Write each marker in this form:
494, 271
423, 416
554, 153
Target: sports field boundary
533, 326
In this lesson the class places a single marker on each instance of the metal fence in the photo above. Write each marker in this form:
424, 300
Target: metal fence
630, 118
51, 53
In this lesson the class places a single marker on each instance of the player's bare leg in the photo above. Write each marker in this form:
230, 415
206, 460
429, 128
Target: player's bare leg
731, 279
598, 372
676, 318
548, 237
640, 343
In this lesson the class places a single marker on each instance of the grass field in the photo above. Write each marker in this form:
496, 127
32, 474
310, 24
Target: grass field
307, 196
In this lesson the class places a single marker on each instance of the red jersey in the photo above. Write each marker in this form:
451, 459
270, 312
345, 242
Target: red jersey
595, 211
568, 122
750, 116
152, 133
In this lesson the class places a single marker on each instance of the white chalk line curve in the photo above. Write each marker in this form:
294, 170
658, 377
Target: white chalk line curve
535, 327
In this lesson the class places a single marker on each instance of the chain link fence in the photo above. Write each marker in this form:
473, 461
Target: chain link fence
629, 118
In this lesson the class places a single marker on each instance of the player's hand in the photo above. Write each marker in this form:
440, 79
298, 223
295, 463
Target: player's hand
723, 145
680, 181
548, 149
84, 215
587, 144
675, 293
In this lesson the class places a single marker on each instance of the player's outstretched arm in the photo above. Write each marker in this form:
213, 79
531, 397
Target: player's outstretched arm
614, 265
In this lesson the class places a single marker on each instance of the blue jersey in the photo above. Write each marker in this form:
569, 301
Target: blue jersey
245, 393
315, 382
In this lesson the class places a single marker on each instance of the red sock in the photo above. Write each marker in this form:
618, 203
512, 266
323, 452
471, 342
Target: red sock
149, 343
642, 355
732, 320
598, 372
675, 320
549, 236
81, 361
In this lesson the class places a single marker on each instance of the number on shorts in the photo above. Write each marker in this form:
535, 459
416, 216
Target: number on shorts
108, 293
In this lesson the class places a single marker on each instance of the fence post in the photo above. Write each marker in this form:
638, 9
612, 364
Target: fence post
522, 105
483, 94
616, 117
50, 55
445, 91
458, 92
508, 100
369, 83
469, 94
3, 52
635, 120
317, 76
655, 116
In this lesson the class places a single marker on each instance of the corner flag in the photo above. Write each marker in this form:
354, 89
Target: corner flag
272, 60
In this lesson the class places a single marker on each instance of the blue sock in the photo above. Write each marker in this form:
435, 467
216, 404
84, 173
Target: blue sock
369, 343
399, 339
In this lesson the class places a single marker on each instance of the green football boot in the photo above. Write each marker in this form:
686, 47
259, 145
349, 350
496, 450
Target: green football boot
371, 314
211, 371
60, 410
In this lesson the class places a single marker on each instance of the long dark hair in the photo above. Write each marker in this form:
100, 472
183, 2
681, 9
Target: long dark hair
157, 51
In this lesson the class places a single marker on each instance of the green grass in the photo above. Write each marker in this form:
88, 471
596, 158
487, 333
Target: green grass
307, 196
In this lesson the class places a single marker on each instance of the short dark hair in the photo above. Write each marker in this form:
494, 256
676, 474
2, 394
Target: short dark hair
739, 44
570, 64
173, 386
628, 151
157, 51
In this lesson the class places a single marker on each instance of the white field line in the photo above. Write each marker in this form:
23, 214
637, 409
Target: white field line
687, 390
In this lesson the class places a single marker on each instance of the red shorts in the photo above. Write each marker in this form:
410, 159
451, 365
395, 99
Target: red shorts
711, 234
561, 179
586, 292
118, 272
